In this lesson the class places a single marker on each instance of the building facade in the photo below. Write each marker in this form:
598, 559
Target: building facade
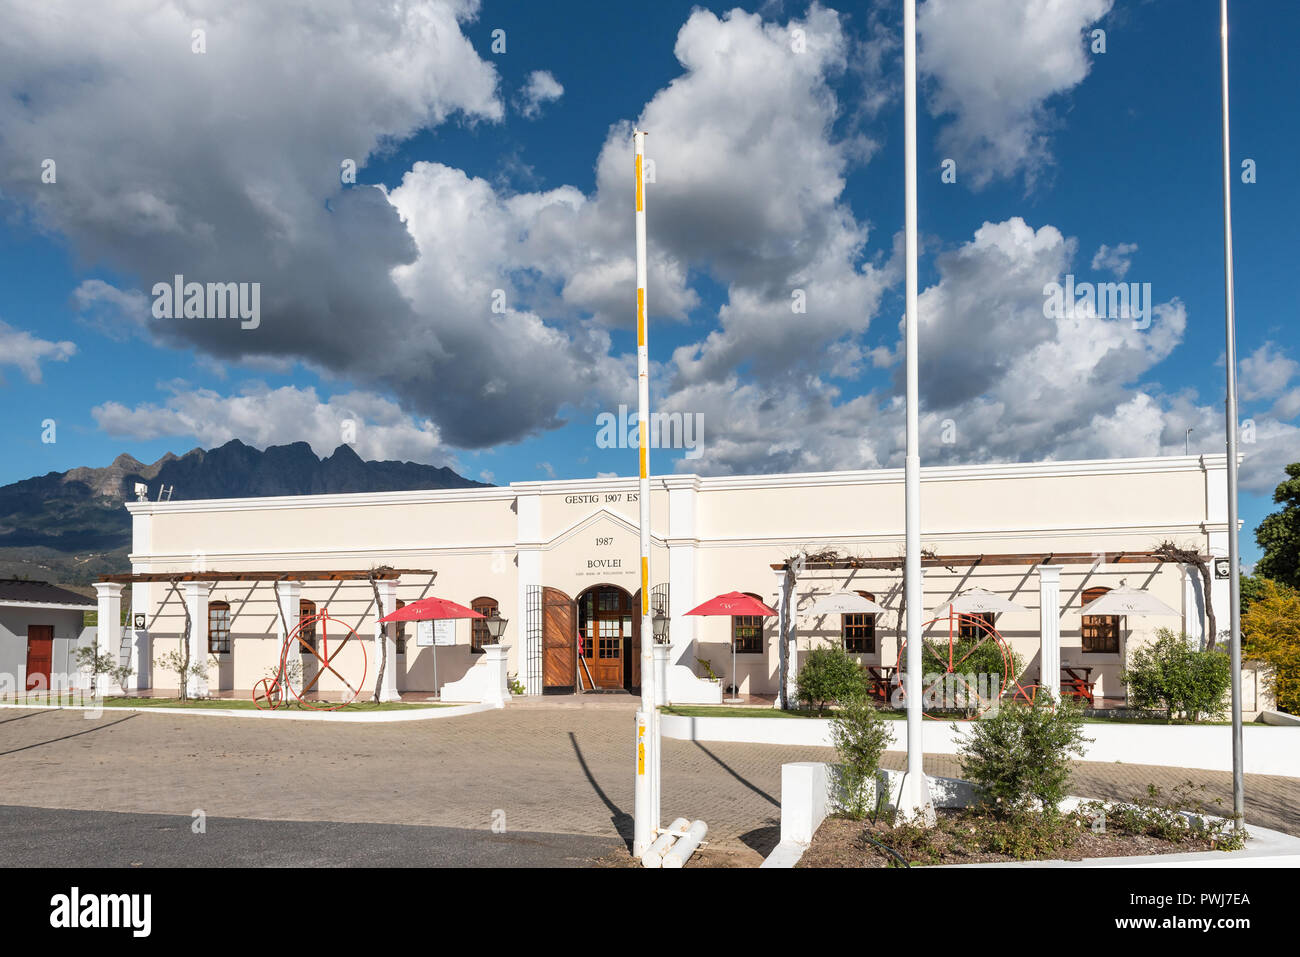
559, 559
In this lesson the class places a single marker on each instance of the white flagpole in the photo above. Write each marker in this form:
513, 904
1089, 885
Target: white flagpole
646, 796
1230, 321
914, 796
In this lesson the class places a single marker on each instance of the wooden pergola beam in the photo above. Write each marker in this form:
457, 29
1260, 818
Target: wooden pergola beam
317, 575
1021, 558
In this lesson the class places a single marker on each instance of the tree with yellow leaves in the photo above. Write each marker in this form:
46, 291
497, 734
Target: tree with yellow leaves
1271, 633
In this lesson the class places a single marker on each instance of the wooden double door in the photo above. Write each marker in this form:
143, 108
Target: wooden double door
591, 643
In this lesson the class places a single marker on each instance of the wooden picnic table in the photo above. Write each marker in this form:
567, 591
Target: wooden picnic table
880, 677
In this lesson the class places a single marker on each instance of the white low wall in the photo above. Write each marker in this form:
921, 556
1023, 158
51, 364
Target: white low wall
808, 798
685, 687
1268, 750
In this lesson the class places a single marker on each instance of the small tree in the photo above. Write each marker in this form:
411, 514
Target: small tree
178, 663
860, 734
1271, 632
89, 659
1170, 675
830, 675
1016, 755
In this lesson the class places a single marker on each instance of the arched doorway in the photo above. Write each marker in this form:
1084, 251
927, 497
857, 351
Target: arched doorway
608, 638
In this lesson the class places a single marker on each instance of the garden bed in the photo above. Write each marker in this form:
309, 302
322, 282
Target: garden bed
972, 836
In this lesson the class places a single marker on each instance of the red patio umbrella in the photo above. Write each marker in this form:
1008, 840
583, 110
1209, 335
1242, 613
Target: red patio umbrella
734, 603
432, 609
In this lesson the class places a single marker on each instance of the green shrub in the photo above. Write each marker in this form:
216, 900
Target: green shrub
1016, 755
1169, 675
830, 675
860, 734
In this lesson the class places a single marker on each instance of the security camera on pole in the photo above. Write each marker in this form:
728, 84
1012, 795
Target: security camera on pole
646, 802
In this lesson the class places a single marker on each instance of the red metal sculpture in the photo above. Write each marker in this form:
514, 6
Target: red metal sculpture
942, 666
310, 639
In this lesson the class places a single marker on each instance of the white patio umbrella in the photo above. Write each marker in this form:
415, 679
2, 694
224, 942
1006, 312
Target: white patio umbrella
1127, 601
845, 603
977, 600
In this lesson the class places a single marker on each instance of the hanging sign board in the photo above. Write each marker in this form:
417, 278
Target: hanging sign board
440, 632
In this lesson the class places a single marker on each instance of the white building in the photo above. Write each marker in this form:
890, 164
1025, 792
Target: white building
41, 627
559, 560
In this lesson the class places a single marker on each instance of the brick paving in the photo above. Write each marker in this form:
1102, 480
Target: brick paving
561, 768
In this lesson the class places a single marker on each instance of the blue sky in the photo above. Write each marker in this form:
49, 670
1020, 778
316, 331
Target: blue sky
777, 169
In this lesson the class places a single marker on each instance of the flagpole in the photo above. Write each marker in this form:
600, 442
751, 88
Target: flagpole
646, 795
1230, 323
914, 796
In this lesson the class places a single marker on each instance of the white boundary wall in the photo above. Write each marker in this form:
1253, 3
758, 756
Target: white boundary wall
807, 800
1268, 750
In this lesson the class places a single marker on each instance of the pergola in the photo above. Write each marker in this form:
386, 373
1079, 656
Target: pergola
1048, 566
287, 585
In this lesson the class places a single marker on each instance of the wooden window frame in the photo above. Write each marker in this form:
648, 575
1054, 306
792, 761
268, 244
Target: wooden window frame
858, 637
306, 609
216, 638
478, 633
1098, 629
966, 630
748, 644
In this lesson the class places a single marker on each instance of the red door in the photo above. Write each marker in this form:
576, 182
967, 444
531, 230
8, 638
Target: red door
40, 651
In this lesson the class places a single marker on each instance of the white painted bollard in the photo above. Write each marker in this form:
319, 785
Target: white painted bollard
686, 845
655, 855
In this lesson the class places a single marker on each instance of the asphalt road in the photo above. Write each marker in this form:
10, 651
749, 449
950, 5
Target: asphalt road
41, 837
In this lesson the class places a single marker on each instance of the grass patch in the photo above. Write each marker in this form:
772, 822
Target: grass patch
729, 711
220, 704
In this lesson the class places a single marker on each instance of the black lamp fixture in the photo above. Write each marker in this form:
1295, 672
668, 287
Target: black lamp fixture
496, 626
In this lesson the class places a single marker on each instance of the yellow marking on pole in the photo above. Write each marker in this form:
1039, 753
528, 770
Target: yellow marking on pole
644, 473
640, 748
640, 200
640, 316
645, 585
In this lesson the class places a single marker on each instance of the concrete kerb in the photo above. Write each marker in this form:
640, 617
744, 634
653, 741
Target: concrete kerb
413, 714
807, 799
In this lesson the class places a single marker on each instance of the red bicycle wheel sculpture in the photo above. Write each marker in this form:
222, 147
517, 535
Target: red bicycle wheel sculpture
310, 639
948, 678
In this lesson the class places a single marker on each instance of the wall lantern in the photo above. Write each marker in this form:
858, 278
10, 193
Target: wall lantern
660, 626
496, 627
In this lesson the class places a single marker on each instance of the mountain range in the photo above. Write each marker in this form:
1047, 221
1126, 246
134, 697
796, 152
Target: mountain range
72, 527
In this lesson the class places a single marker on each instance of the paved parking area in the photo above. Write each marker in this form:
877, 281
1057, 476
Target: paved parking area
536, 769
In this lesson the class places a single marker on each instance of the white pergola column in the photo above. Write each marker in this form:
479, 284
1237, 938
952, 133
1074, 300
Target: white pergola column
787, 607
108, 627
290, 606
196, 601
141, 645
386, 638
1049, 629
